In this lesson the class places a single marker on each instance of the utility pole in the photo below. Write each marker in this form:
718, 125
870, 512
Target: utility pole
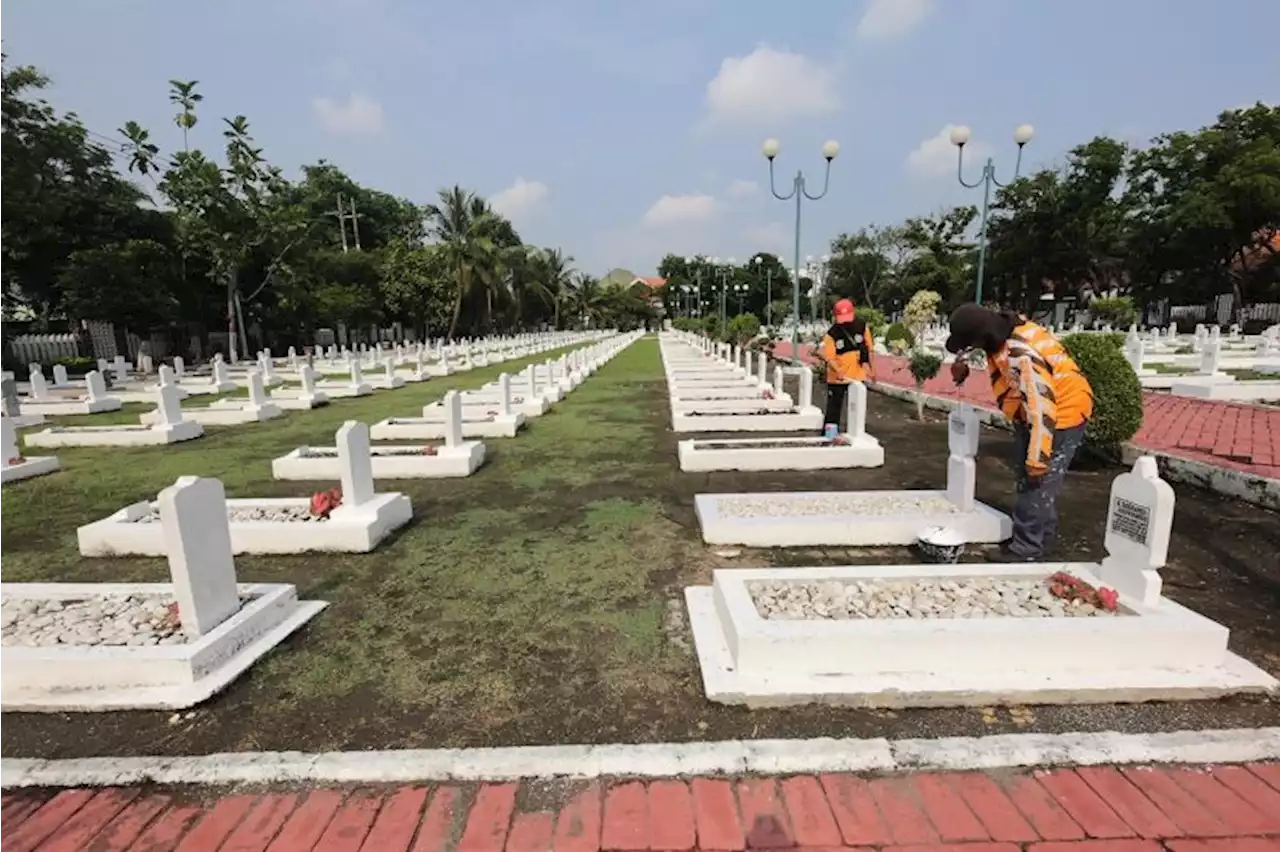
343, 216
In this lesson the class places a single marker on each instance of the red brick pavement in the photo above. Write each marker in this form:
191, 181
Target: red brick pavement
1230, 435
1091, 809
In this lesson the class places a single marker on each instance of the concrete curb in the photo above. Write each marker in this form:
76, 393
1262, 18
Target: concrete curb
1259, 490
658, 760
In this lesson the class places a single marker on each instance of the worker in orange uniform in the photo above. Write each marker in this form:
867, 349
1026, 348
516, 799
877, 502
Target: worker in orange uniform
846, 351
1041, 390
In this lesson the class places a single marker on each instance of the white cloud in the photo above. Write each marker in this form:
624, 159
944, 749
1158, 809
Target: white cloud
935, 157
775, 238
520, 199
770, 86
358, 116
890, 19
740, 189
681, 210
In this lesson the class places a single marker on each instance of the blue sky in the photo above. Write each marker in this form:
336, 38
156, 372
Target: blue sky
623, 130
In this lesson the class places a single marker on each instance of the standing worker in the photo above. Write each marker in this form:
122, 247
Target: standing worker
846, 352
1041, 390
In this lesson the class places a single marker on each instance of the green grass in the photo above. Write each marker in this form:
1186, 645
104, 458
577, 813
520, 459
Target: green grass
543, 564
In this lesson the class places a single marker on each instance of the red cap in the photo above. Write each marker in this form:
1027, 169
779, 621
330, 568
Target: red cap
844, 310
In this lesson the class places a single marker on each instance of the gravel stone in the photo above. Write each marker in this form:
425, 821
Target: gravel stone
127, 620
788, 506
978, 597
290, 514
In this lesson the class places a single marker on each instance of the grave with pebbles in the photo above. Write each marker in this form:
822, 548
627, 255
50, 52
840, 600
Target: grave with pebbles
974, 634
361, 520
854, 448
169, 428
752, 415
129, 646
454, 458
860, 518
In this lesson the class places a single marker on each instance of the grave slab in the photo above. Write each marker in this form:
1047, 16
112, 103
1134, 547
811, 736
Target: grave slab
281, 525
214, 627
972, 634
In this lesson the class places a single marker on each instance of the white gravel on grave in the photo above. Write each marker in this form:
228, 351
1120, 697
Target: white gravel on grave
125, 620
980, 597
285, 514
789, 506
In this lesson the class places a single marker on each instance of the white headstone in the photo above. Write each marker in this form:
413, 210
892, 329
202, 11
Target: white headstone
257, 390
1133, 353
531, 378
357, 375
169, 406
778, 376
762, 362
103, 366
806, 388
221, 375
963, 431
8, 441
9, 398
39, 388
856, 408
1139, 521
179, 367
144, 363
59, 375
197, 539
308, 380
453, 417
96, 386
356, 463
504, 395
166, 374
118, 368
1210, 357
389, 366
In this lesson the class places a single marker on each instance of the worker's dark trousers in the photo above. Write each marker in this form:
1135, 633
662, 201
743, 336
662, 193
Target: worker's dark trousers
837, 394
1035, 513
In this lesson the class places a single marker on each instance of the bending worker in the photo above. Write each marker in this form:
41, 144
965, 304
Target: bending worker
1041, 390
846, 351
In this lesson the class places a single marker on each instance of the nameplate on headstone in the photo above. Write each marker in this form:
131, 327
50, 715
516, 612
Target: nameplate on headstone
1131, 520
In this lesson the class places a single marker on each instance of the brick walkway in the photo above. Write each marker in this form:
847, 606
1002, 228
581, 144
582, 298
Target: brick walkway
1230, 435
1092, 809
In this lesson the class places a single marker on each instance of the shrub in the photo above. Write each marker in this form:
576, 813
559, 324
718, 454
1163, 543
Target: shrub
898, 331
875, 320
923, 366
743, 328
921, 310
1117, 310
77, 365
1117, 393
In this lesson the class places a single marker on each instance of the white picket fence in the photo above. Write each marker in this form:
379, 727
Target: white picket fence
44, 348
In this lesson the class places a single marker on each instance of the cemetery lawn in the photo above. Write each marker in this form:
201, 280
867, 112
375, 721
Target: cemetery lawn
539, 601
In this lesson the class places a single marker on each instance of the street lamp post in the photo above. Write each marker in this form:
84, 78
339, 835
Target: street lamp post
829, 151
768, 291
741, 291
725, 272
959, 136
685, 302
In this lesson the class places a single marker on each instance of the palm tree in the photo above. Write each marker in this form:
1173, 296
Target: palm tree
552, 279
183, 93
464, 227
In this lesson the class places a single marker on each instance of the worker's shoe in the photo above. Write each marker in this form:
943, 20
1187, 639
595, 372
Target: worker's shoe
1006, 555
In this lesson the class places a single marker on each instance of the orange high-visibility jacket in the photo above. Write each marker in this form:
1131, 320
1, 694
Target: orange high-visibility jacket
840, 349
1037, 383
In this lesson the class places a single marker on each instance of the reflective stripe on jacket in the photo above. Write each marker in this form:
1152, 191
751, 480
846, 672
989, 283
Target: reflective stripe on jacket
840, 351
1037, 382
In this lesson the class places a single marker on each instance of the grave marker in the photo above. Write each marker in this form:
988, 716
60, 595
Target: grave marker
257, 390
453, 415
504, 395
531, 378
59, 375
118, 370
762, 367
1210, 357
221, 374
197, 537
355, 462
8, 442
12, 406
1139, 521
389, 367
856, 409
39, 388
308, 380
357, 375
169, 406
95, 384
806, 388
